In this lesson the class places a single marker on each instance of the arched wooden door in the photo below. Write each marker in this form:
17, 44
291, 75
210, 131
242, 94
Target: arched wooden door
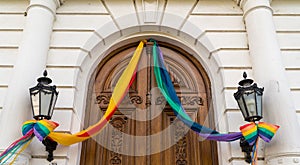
144, 130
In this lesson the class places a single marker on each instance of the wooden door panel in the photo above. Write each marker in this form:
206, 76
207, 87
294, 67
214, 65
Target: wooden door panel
145, 113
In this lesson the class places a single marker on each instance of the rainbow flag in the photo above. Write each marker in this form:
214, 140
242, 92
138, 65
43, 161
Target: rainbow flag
252, 131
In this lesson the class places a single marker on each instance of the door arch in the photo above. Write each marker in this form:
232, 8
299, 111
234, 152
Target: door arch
144, 113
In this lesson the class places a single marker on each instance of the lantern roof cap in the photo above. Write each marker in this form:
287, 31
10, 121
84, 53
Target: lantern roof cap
44, 80
245, 81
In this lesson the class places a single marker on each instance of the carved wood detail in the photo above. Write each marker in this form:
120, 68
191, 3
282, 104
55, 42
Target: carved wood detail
103, 99
117, 140
185, 100
181, 144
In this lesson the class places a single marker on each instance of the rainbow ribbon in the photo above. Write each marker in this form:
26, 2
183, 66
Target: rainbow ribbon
166, 87
41, 129
118, 94
252, 131
44, 128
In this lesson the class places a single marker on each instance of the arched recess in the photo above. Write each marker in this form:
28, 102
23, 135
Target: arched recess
107, 38
144, 112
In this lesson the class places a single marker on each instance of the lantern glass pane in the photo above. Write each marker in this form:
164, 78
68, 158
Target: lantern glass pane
53, 104
45, 102
249, 97
242, 107
35, 99
259, 104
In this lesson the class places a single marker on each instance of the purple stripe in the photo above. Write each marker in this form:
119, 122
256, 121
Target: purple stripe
38, 135
222, 137
264, 138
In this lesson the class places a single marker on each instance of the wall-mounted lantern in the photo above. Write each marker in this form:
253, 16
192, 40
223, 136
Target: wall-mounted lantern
43, 98
249, 99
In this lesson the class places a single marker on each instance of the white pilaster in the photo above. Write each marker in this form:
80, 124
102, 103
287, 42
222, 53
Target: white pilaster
269, 72
29, 66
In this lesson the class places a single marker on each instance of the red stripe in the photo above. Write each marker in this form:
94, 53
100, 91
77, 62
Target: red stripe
99, 126
246, 125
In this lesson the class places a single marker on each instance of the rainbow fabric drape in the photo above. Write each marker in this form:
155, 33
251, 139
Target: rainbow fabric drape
44, 129
118, 94
41, 129
250, 131
167, 89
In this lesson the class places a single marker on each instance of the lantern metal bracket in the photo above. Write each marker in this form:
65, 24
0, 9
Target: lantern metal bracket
50, 147
247, 149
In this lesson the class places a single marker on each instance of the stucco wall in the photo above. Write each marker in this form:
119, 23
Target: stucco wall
82, 28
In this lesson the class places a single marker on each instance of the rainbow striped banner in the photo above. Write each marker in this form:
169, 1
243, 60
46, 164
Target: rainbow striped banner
252, 131
44, 128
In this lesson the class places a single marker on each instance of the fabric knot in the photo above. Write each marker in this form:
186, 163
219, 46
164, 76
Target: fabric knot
252, 131
41, 128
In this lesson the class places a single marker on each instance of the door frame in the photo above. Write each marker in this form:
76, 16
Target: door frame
190, 57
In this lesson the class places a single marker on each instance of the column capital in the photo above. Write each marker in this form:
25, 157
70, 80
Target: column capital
242, 2
50, 5
250, 5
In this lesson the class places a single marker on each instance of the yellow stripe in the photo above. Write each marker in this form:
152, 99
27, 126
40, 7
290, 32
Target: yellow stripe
22, 149
268, 127
29, 121
249, 131
118, 94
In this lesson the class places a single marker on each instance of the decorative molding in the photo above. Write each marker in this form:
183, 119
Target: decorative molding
150, 10
185, 100
191, 100
135, 99
104, 99
176, 80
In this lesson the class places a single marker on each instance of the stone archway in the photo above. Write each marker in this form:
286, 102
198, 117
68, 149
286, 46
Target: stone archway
113, 147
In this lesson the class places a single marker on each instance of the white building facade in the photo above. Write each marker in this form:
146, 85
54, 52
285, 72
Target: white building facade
70, 38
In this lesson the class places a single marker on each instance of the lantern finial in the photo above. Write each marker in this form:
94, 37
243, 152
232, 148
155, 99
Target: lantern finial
44, 80
45, 73
245, 75
245, 82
